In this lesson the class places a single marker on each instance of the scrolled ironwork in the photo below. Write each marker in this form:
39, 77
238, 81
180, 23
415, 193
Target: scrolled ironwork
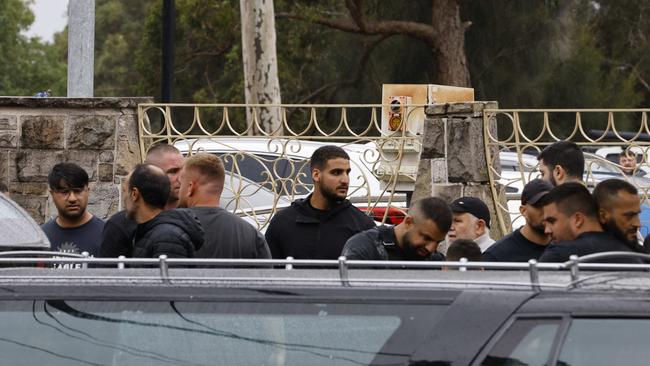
603, 134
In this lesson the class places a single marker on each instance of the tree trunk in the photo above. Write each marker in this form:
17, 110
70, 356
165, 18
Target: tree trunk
449, 43
261, 82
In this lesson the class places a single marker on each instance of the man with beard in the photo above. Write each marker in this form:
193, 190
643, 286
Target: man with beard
175, 233
529, 241
117, 238
318, 226
415, 238
571, 220
562, 162
619, 207
74, 230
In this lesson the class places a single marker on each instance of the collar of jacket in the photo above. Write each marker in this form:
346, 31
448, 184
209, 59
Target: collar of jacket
309, 215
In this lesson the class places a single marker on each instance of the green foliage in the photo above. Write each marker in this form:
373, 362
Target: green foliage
28, 65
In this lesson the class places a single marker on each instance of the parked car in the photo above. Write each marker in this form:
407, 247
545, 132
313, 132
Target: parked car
18, 230
282, 166
343, 315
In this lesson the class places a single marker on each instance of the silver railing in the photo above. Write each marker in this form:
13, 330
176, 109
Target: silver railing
345, 268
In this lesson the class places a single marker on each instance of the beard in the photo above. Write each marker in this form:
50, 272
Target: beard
611, 227
72, 215
410, 251
538, 229
331, 195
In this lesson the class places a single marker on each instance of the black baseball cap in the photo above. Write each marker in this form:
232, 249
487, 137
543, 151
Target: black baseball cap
472, 205
534, 191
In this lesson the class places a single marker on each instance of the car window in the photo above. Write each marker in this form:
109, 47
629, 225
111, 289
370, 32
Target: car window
606, 342
526, 342
207, 333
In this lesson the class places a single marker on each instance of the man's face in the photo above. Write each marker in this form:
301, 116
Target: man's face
422, 238
333, 179
184, 180
171, 164
534, 218
547, 174
557, 224
627, 162
622, 218
129, 204
463, 226
70, 202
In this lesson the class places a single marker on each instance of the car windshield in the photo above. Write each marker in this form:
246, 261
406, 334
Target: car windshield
207, 333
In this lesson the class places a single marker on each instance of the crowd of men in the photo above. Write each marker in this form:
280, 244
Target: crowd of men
172, 208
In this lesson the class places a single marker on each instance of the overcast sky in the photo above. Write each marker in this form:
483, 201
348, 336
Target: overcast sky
50, 17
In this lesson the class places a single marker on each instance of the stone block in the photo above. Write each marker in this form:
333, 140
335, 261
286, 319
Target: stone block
106, 157
36, 206
8, 139
31, 188
91, 132
35, 165
86, 159
105, 172
43, 132
103, 200
466, 162
439, 170
433, 138
8, 123
128, 156
435, 110
4, 167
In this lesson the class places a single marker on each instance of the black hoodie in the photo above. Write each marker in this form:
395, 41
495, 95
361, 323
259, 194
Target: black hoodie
176, 233
303, 232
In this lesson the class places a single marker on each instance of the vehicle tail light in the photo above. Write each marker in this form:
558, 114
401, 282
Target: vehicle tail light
395, 215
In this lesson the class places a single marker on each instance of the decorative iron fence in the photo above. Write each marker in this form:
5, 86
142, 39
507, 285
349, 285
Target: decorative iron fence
267, 168
603, 134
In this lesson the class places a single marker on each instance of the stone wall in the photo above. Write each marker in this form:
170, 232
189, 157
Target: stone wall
453, 162
99, 134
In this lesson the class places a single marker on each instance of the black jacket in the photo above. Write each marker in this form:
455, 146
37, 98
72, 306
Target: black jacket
117, 238
176, 233
380, 244
587, 243
303, 232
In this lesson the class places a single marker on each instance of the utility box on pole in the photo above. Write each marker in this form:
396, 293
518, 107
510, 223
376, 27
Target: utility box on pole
403, 116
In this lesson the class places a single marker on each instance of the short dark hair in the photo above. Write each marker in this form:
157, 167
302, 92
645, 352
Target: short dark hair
463, 248
72, 174
324, 153
161, 148
571, 198
566, 154
153, 185
434, 209
3, 188
607, 190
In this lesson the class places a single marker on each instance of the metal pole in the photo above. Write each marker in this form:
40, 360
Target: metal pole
168, 24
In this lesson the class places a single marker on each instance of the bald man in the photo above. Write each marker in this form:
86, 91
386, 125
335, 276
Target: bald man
226, 235
119, 230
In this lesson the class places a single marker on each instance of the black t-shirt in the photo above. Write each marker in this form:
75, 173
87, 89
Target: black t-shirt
513, 247
84, 238
229, 236
117, 238
587, 243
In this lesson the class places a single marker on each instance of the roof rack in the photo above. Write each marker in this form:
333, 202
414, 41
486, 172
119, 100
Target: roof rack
344, 266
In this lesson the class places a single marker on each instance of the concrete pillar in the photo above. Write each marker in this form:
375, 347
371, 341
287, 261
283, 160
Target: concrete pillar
81, 48
453, 162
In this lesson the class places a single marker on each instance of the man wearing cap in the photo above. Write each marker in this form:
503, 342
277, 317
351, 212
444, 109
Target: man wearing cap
471, 221
529, 241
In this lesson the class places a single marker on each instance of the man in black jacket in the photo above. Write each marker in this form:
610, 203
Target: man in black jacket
415, 238
571, 220
318, 226
175, 233
619, 207
226, 235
